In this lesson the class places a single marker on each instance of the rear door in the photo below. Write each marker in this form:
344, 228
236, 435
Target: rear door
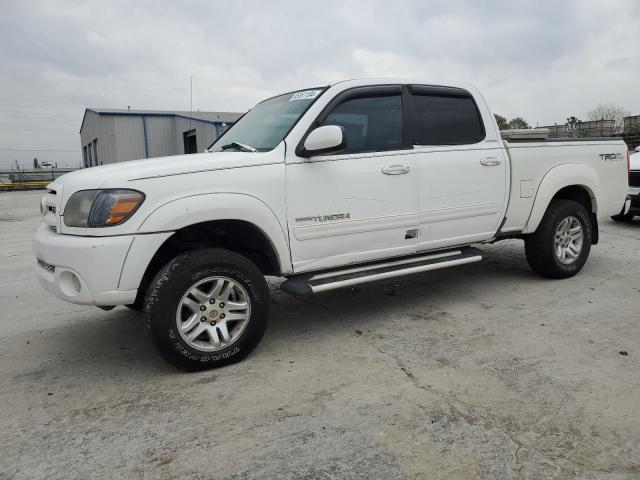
463, 171
360, 204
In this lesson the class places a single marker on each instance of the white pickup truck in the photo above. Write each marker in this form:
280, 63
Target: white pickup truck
329, 187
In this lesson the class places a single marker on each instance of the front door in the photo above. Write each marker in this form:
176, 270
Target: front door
362, 203
463, 174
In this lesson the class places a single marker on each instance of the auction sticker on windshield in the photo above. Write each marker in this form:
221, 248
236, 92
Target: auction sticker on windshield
305, 95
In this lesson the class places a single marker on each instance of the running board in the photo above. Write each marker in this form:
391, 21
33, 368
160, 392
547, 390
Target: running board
307, 284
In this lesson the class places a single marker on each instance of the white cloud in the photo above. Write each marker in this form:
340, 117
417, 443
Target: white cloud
541, 60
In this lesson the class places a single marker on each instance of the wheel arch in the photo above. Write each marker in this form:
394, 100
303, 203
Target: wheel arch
571, 182
239, 236
186, 212
237, 222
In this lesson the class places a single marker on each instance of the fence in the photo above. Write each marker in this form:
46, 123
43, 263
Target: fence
17, 178
592, 128
631, 133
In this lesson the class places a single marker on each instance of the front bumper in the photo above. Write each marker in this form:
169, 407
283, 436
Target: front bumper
83, 270
101, 271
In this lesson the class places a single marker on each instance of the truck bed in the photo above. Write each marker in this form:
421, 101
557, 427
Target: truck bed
595, 163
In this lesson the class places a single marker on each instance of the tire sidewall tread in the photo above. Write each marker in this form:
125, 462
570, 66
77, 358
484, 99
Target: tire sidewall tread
539, 246
173, 280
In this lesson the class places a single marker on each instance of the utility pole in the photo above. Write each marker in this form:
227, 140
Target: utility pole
191, 105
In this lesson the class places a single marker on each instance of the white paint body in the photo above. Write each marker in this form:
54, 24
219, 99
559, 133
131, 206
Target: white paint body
634, 161
452, 196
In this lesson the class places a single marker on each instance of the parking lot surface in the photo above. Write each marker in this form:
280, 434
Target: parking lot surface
481, 371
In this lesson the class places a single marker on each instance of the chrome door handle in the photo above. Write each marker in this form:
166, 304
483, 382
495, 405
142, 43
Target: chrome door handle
395, 169
490, 161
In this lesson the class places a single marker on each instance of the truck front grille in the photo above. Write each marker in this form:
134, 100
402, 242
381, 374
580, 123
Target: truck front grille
634, 178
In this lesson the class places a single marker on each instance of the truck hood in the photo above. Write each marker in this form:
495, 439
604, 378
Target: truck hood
117, 174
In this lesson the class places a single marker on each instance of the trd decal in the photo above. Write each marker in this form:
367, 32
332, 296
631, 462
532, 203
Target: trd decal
324, 218
611, 157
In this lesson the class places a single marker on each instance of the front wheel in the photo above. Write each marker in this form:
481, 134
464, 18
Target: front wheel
560, 246
207, 308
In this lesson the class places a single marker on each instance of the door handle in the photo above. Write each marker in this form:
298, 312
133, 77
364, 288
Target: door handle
395, 169
490, 161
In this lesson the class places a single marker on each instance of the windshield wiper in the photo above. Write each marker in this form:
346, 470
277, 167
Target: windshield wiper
239, 146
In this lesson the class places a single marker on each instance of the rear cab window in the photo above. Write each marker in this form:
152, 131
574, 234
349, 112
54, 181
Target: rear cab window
444, 116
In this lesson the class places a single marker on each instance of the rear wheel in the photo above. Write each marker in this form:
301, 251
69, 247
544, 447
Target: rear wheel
207, 308
560, 246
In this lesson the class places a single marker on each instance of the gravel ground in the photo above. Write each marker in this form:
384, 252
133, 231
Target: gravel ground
481, 371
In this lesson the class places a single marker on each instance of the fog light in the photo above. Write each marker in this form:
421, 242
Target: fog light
70, 283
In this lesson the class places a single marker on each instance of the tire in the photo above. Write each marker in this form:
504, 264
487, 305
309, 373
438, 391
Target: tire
170, 305
137, 305
541, 248
623, 218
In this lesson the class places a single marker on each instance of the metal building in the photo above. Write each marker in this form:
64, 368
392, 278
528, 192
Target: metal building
109, 135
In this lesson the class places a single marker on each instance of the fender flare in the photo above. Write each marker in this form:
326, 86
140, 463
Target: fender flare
556, 179
190, 210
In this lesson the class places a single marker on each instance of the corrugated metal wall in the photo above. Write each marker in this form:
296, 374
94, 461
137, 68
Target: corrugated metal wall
107, 143
205, 133
129, 133
160, 138
121, 137
90, 131
90, 128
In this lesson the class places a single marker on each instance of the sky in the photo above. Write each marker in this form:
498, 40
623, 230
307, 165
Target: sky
542, 60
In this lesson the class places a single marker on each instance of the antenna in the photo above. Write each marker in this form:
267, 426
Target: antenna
191, 107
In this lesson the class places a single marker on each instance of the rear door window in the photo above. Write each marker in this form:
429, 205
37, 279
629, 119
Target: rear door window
448, 117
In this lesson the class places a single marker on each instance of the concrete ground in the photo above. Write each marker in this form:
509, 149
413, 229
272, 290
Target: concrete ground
482, 371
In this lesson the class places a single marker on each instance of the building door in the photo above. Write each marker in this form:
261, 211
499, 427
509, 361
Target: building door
190, 142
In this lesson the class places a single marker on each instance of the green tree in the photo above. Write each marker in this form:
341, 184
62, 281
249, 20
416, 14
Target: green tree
518, 123
572, 126
502, 122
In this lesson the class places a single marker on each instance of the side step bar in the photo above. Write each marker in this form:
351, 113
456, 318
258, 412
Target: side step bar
307, 284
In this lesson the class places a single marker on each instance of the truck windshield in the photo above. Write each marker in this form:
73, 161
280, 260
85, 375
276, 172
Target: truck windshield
264, 126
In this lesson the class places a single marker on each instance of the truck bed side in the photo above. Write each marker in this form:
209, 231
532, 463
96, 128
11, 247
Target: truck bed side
540, 169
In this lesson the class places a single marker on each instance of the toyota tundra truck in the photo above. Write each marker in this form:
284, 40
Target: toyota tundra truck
329, 187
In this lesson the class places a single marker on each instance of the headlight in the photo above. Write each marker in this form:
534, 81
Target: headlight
101, 208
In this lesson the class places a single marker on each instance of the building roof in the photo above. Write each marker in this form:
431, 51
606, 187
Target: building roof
215, 118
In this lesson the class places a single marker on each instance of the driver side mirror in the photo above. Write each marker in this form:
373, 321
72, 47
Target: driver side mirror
325, 139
